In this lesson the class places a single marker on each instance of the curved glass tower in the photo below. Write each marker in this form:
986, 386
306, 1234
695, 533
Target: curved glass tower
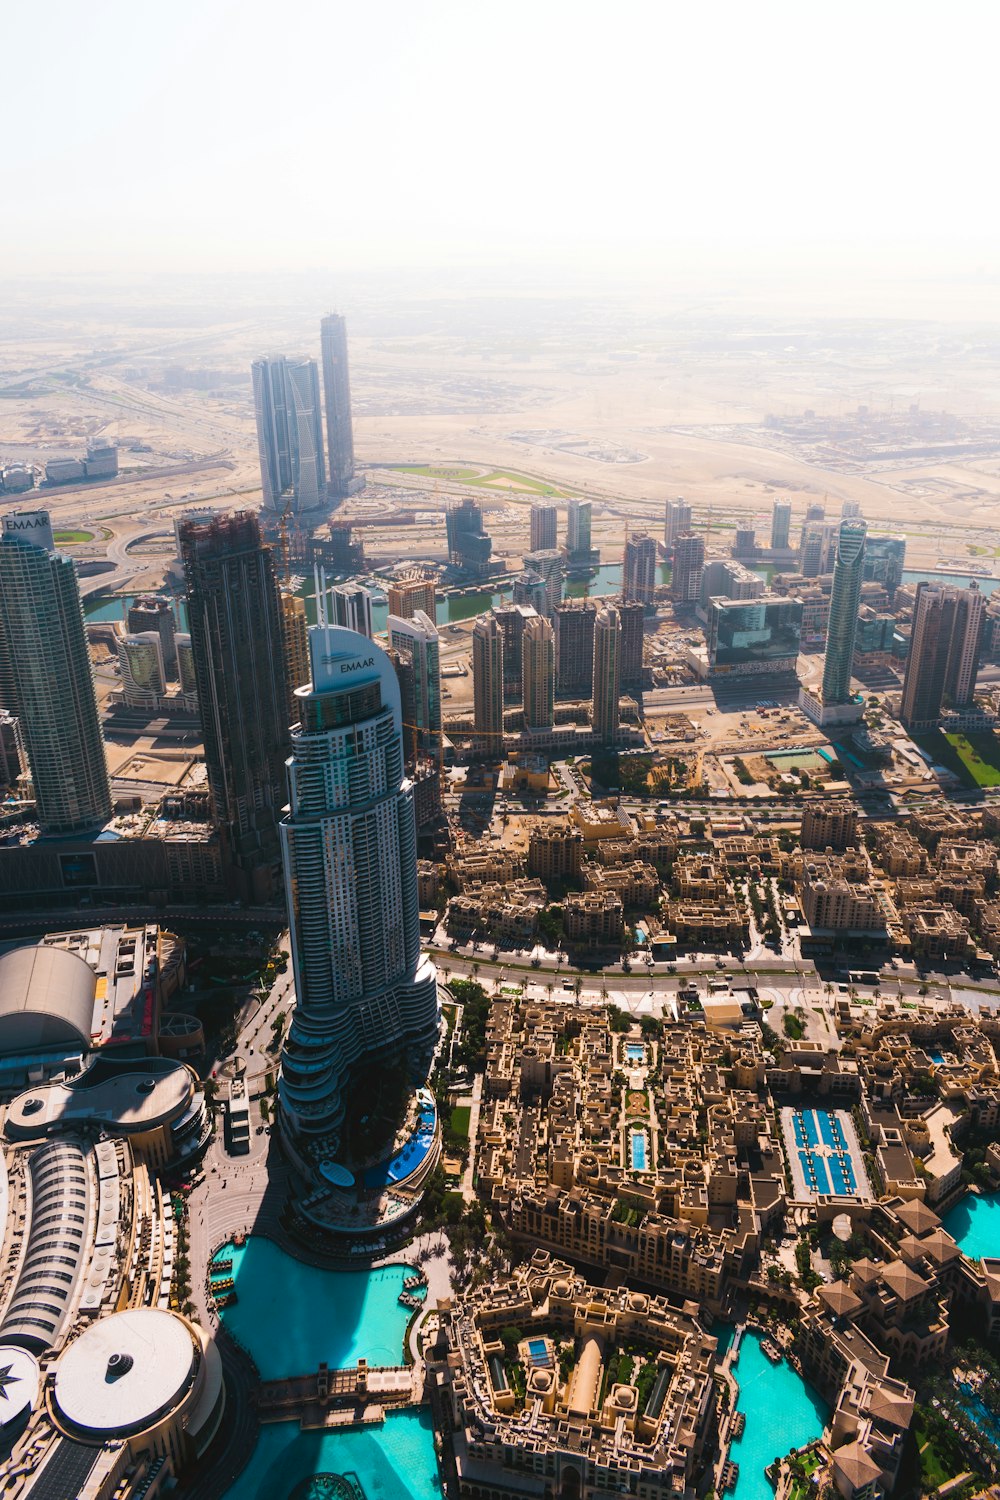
845, 600
364, 993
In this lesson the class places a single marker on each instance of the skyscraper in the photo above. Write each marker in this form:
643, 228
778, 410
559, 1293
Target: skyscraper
365, 997
140, 662
677, 521
845, 600
689, 559
944, 652
632, 616
239, 658
41, 620
469, 548
544, 522
295, 645
411, 594
538, 673
337, 391
487, 678
604, 715
781, 520
351, 606
812, 547
530, 590
578, 528
289, 433
885, 558
548, 564
574, 627
420, 638
149, 612
639, 568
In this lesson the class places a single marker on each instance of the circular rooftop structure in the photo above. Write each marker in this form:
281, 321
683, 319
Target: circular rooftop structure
125, 1373
46, 1000
18, 1384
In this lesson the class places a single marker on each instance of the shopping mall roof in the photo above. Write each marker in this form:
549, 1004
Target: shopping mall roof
46, 1000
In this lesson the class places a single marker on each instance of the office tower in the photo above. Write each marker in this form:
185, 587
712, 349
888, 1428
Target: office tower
725, 578
487, 678
604, 715
289, 433
512, 619
419, 637
149, 612
944, 652
849, 509
573, 622
140, 662
753, 637
337, 390
745, 543
238, 650
639, 568
544, 521
351, 607
530, 590
815, 512
578, 530
469, 548
538, 672
689, 559
51, 677
811, 548
365, 997
845, 600
548, 564
885, 558
411, 594
294, 636
677, 521
781, 520
632, 616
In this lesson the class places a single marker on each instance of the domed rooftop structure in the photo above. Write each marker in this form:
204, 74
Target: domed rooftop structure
125, 1373
46, 1000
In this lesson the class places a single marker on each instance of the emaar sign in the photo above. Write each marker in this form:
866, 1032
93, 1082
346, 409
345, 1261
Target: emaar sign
31, 526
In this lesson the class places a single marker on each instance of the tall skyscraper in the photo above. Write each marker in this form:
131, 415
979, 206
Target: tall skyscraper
578, 529
544, 522
538, 673
574, 627
548, 564
677, 521
365, 997
530, 590
781, 521
52, 681
289, 433
944, 652
632, 616
745, 543
295, 645
849, 509
605, 717
885, 559
689, 560
411, 594
512, 619
239, 659
186, 674
469, 548
487, 678
351, 606
639, 568
140, 662
420, 638
337, 391
812, 547
845, 600
149, 612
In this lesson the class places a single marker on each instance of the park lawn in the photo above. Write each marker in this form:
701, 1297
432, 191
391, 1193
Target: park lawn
459, 1123
431, 471
72, 538
979, 754
489, 479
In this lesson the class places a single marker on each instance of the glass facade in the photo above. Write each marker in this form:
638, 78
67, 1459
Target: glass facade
884, 559
845, 599
747, 637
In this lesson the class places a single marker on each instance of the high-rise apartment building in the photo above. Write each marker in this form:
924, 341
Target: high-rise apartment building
544, 523
632, 616
538, 673
849, 510
677, 521
944, 652
289, 433
689, 560
487, 678
530, 590
813, 546
469, 547
149, 612
365, 997
578, 531
350, 605
411, 594
548, 564
639, 568
140, 663
337, 393
845, 600
296, 647
186, 674
420, 638
605, 715
745, 543
781, 521
238, 649
574, 629
512, 619
51, 677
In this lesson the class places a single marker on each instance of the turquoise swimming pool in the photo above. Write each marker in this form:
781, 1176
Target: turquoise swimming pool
395, 1461
782, 1413
974, 1224
292, 1316
638, 1149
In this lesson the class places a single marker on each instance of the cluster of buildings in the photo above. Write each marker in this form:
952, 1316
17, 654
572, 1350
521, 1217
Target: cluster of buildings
99, 462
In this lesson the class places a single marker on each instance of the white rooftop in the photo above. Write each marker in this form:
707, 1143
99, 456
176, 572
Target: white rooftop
94, 1399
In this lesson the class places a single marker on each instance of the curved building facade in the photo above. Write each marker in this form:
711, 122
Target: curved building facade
363, 990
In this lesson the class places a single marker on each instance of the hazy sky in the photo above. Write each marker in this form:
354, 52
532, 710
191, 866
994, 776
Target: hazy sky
206, 134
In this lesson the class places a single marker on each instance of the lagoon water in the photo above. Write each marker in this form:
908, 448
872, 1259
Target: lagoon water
974, 1224
782, 1412
395, 1461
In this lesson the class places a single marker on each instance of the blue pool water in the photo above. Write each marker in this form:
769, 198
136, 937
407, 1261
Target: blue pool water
393, 1462
638, 1151
635, 1052
834, 1173
935, 1056
408, 1158
974, 1224
291, 1316
539, 1351
782, 1412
